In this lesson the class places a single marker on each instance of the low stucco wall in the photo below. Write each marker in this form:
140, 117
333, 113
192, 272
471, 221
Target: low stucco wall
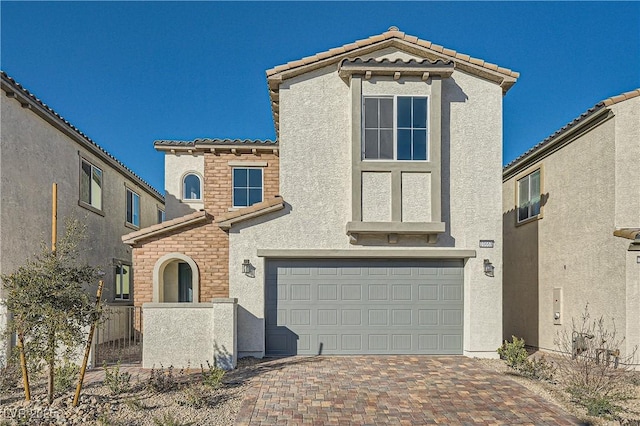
190, 334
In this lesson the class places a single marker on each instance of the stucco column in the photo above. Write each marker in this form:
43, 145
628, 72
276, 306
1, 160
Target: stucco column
225, 342
632, 332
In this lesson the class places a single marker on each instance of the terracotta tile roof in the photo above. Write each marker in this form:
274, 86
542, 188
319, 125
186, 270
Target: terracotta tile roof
227, 220
10, 85
200, 145
629, 233
572, 124
211, 141
393, 37
622, 97
200, 216
392, 33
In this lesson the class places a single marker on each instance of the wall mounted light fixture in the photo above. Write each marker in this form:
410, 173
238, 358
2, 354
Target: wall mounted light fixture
488, 268
246, 266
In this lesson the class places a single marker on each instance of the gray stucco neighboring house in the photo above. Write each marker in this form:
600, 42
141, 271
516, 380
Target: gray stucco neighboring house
38, 147
571, 209
387, 237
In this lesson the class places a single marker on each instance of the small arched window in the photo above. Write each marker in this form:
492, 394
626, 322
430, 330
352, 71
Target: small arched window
191, 187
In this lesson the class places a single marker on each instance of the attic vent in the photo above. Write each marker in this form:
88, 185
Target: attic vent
393, 28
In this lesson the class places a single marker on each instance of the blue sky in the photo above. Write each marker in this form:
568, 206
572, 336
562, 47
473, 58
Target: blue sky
128, 73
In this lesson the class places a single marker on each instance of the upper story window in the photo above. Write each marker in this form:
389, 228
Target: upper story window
90, 185
191, 188
529, 196
133, 208
161, 215
122, 282
247, 186
395, 128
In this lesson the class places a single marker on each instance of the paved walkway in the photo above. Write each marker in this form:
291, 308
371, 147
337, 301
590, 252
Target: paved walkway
390, 390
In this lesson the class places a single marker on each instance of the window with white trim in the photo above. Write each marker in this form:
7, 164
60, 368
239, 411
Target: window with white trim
529, 196
395, 128
133, 208
247, 186
122, 290
90, 185
191, 187
161, 215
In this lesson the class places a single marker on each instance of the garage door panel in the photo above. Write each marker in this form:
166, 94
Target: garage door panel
364, 307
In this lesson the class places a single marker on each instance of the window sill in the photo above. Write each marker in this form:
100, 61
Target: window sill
90, 208
131, 226
192, 200
430, 229
529, 220
121, 302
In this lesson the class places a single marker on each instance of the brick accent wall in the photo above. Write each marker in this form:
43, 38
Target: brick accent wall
218, 180
206, 243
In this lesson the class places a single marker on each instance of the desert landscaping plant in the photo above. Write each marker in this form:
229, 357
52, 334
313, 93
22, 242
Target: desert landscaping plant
212, 375
66, 372
517, 358
594, 370
50, 304
117, 381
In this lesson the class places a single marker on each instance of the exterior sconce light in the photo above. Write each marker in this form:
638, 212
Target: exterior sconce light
246, 266
488, 268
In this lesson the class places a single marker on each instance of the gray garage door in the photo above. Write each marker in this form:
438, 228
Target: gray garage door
363, 307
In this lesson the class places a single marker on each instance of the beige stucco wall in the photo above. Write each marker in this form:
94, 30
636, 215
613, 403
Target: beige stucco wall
416, 197
315, 181
176, 167
572, 246
376, 197
34, 155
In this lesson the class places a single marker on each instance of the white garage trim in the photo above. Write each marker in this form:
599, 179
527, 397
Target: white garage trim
435, 253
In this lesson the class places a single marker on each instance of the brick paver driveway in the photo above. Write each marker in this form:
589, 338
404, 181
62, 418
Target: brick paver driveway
390, 390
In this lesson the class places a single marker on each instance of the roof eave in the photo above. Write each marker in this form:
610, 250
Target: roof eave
28, 100
572, 132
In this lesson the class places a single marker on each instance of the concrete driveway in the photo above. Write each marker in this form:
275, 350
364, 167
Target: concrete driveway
390, 390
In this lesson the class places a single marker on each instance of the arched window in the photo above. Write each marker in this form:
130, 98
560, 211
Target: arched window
191, 187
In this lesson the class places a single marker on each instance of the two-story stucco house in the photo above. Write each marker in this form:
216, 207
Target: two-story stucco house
38, 148
372, 225
571, 209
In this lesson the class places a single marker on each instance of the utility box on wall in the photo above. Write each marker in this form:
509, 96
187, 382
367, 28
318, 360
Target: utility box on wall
557, 306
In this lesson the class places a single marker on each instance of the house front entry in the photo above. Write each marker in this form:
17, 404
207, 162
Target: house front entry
185, 288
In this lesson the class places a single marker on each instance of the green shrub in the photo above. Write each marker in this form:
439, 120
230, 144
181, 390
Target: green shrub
193, 397
65, 376
597, 376
161, 380
212, 376
118, 382
168, 420
517, 358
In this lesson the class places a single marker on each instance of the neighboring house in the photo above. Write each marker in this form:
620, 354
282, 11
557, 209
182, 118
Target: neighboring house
358, 232
39, 148
571, 227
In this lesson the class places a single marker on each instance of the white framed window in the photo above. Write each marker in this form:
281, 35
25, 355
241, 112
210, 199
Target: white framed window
122, 285
395, 128
133, 208
161, 215
529, 196
247, 186
90, 185
191, 187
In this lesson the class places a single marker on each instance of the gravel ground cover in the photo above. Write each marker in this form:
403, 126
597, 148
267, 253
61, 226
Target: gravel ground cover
192, 403
554, 392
